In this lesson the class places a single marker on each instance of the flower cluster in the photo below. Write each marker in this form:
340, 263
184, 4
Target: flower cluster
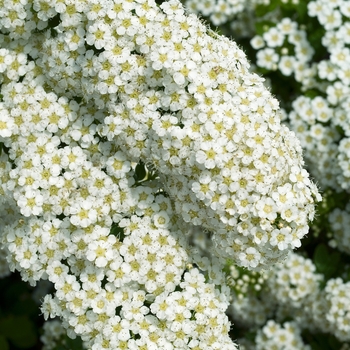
317, 131
242, 281
337, 309
248, 288
282, 337
302, 48
328, 310
294, 280
293, 290
224, 11
251, 311
288, 287
220, 151
318, 120
218, 11
339, 221
90, 93
284, 47
53, 333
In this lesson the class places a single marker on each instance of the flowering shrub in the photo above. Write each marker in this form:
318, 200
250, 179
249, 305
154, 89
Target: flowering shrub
273, 335
301, 48
149, 174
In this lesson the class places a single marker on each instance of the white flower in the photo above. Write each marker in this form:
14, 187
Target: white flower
98, 34
72, 157
340, 56
83, 213
281, 237
286, 65
18, 67
57, 271
273, 37
31, 202
266, 208
330, 18
250, 258
204, 189
6, 123
44, 12
67, 288
27, 257
161, 219
209, 155
299, 176
71, 14
286, 26
101, 252
267, 58
257, 42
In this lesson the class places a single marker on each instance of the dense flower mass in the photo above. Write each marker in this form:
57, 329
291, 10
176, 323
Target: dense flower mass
218, 11
318, 117
286, 336
302, 47
92, 92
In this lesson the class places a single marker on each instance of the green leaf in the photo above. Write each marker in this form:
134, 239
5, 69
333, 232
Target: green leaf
312, 93
117, 231
262, 10
302, 11
250, 335
4, 345
315, 33
66, 343
263, 26
140, 172
321, 257
326, 262
74, 344
334, 343
321, 341
20, 330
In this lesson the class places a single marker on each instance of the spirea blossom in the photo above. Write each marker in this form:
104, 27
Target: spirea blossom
286, 336
112, 88
220, 151
303, 50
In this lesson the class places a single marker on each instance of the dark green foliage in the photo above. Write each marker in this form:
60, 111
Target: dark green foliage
326, 261
322, 341
19, 315
69, 344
